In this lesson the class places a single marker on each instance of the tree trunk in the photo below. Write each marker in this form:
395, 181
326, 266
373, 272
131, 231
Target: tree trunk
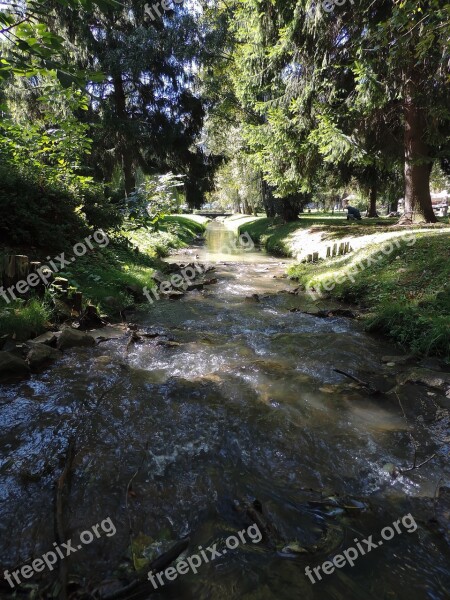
290, 207
372, 211
418, 165
125, 153
267, 199
246, 207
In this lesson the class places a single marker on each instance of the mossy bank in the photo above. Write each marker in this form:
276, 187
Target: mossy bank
108, 277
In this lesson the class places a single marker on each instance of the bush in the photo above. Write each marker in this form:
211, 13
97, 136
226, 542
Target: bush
35, 213
99, 211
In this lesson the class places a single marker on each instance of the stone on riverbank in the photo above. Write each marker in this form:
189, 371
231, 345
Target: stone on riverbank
71, 338
42, 353
12, 365
426, 377
49, 338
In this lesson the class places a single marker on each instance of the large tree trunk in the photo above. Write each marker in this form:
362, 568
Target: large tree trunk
418, 165
246, 207
372, 211
267, 199
126, 157
290, 207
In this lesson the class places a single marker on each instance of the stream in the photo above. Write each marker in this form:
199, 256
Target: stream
240, 402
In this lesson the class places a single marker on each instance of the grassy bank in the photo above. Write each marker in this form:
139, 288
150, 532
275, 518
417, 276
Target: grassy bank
106, 276
314, 231
406, 292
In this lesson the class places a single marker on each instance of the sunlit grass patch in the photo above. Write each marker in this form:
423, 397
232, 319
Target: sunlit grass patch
22, 320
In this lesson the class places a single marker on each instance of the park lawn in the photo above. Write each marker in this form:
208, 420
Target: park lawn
284, 239
289, 239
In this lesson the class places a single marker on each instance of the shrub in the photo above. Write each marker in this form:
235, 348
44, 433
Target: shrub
35, 213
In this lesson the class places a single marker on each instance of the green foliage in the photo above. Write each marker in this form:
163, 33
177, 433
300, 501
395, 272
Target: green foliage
54, 143
322, 99
45, 195
237, 182
22, 319
30, 47
105, 277
36, 213
174, 232
426, 333
155, 198
99, 212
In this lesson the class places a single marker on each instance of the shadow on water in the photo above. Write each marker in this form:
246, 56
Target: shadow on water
246, 405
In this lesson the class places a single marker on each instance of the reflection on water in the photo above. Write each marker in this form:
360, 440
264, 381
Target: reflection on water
223, 245
248, 405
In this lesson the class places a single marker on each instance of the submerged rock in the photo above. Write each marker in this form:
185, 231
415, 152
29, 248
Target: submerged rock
252, 298
173, 295
426, 377
15, 348
398, 360
71, 338
195, 286
168, 344
110, 332
294, 548
12, 365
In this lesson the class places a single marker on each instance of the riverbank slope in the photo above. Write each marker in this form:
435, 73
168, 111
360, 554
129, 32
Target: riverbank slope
108, 277
398, 276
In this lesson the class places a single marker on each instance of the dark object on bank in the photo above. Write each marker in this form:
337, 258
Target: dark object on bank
353, 214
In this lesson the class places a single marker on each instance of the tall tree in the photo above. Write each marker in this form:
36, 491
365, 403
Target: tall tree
347, 83
148, 113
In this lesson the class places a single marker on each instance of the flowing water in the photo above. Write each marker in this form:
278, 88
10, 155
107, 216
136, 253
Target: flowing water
246, 405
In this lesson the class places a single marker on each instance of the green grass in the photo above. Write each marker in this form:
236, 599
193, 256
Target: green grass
104, 274
174, 232
407, 292
277, 237
24, 320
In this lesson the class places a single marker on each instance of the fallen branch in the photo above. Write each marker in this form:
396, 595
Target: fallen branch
418, 466
337, 312
363, 383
